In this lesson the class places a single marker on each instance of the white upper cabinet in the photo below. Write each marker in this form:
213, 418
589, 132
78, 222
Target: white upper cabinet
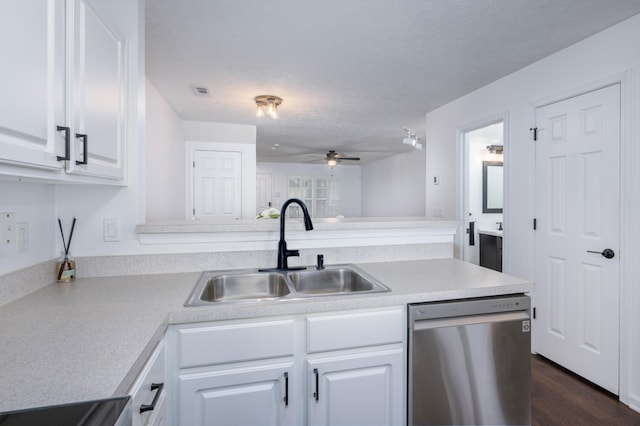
64, 88
98, 92
32, 83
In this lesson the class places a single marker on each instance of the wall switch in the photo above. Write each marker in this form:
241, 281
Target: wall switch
112, 230
7, 228
22, 236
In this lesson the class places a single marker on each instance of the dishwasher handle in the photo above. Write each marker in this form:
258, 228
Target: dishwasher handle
476, 319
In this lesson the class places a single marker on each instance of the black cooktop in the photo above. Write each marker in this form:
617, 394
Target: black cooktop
104, 412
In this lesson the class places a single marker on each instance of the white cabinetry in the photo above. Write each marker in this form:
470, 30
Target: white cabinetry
32, 83
357, 389
148, 395
342, 368
64, 90
98, 92
356, 368
236, 373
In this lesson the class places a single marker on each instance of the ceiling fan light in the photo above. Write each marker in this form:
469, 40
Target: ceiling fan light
332, 162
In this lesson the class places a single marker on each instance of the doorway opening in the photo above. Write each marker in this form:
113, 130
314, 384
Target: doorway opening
483, 195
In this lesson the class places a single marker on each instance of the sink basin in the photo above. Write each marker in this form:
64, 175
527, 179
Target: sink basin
334, 281
237, 287
251, 285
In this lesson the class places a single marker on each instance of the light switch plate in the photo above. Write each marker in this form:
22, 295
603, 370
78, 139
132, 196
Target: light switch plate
22, 236
112, 230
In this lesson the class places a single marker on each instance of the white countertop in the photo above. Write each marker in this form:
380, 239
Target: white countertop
88, 339
494, 232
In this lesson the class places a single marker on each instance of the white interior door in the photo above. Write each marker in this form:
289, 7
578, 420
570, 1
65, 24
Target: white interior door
217, 185
264, 192
578, 203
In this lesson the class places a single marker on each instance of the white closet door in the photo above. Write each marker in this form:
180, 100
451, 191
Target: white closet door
578, 217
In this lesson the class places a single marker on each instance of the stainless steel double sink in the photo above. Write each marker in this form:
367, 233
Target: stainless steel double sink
252, 285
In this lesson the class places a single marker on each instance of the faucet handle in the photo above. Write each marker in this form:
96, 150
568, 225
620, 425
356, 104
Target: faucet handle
500, 228
293, 253
320, 265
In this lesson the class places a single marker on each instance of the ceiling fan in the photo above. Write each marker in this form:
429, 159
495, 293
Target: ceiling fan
333, 158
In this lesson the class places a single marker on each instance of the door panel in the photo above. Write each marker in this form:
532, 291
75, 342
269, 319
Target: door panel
32, 82
99, 93
578, 201
217, 184
237, 396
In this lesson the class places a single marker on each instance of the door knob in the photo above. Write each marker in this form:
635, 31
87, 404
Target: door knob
608, 253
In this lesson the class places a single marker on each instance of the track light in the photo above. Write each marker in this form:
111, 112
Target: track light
412, 139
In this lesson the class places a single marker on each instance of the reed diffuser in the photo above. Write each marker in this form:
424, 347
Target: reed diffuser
66, 266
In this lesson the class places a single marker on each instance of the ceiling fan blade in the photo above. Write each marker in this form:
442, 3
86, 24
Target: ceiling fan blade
340, 157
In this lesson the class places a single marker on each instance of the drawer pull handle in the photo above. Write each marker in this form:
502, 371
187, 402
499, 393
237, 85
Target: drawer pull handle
286, 389
67, 143
154, 387
316, 394
84, 148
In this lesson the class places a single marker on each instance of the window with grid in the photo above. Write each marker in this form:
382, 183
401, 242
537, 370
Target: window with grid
319, 193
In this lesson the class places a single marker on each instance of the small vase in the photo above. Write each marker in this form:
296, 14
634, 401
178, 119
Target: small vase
66, 269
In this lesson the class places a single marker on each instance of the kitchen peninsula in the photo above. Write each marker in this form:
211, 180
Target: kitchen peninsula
90, 338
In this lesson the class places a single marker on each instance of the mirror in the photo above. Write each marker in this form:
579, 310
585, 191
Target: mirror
492, 184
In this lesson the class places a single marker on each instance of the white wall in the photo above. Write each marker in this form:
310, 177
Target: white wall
165, 159
395, 186
600, 57
34, 204
349, 177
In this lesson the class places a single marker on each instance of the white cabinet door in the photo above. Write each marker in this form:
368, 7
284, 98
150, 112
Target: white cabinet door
32, 83
357, 389
98, 101
254, 395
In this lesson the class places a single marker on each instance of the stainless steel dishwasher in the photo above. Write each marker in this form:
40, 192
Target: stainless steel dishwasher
470, 362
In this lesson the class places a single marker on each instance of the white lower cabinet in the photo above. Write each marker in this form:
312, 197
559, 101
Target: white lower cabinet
148, 395
358, 389
344, 368
249, 395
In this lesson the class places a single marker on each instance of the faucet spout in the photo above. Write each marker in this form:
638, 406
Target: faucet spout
283, 252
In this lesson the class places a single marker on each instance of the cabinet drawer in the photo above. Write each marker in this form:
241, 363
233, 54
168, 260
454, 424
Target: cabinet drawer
235, 342
334, 332
142, 392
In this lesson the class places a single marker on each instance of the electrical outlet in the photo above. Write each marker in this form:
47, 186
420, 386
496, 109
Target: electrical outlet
7, 228
436, 180
438, 212
22, 236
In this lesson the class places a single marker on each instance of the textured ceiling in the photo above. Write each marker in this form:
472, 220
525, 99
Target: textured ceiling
352, 73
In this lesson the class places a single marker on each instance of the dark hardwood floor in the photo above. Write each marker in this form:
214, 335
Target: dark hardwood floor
559, 397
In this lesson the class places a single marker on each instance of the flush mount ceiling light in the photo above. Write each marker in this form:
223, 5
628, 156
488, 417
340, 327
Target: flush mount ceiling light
267, 106
412, 139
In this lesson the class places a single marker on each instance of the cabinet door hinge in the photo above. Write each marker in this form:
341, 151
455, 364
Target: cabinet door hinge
194, 164
534, 131
534, 313
194, 211
535, 224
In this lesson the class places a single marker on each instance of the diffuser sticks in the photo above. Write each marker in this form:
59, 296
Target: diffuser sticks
66, 267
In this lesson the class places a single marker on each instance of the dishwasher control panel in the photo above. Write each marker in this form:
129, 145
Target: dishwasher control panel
463, 307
